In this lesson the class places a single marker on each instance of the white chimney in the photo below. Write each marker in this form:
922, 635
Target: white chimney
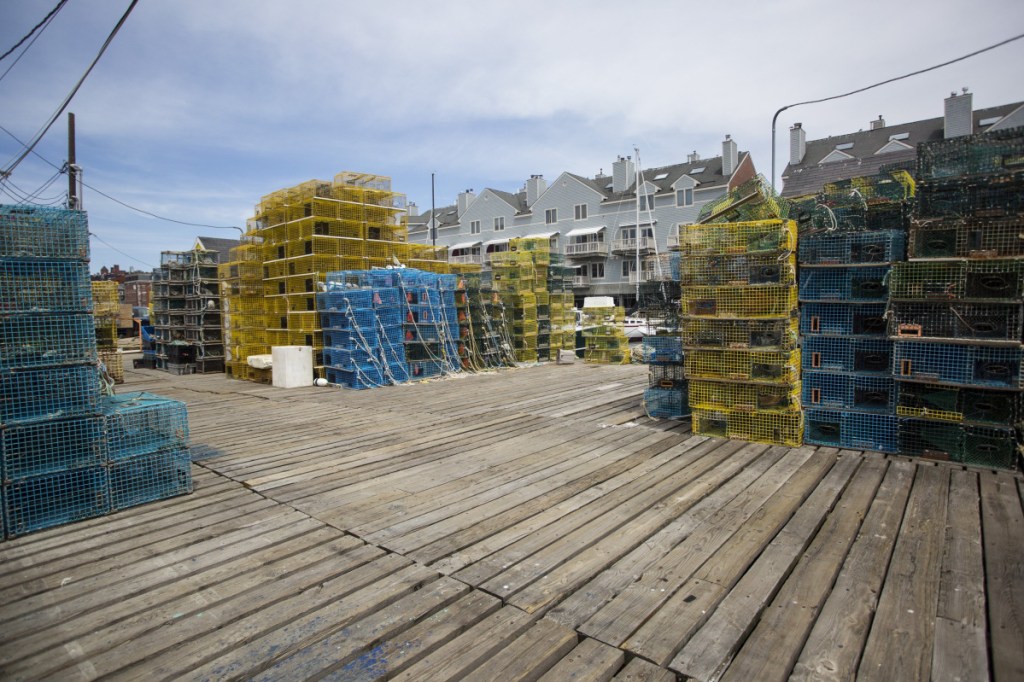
797, 144
730, 157
623, 174
535, 186
412, 209
465, 199
693, 157
959, 114
879, 124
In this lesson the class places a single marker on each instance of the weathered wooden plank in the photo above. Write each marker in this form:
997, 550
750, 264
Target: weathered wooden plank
590, 661
834, 646
622, 616
394, 655
1003, 532
784, 525
529, 656
960, 637
779, 631
205, 635
521, 563
471, 649
348, 635
902, 633
90, 634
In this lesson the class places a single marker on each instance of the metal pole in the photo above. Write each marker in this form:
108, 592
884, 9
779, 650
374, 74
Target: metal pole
774, 119
433, 214
72, 183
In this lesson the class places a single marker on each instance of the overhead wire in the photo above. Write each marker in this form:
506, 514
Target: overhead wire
25, 51
45, 20
67, 100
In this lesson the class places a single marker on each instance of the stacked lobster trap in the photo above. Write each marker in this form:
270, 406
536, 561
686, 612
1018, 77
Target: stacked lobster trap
851, 236
739, 306
69, 449
956, 311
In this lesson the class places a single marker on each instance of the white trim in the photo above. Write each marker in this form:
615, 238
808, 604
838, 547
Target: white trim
893, 146
540, 235
496, 241
581, 231
464, 245
836, 155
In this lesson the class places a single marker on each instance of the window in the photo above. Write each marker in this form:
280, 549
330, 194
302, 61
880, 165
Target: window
647, 202
499, 223
628, 266
551, 216
597, 270
684, 197
474, 227
581, 211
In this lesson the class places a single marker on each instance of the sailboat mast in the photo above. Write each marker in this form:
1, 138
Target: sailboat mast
639, 231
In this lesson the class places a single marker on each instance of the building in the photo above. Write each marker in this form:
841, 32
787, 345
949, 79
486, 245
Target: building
813, 164
592, 221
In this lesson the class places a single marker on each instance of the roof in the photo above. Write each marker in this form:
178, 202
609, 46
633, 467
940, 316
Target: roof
810, 175
516, 201
711, 176
581, 231
446, 217
221, 246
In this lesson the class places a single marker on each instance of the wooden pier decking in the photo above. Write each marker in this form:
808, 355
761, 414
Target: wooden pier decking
529, 524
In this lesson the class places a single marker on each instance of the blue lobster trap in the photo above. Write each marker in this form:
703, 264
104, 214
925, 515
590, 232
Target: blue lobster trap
52, 445
667, 403
44, 233
845, 429
843, 319
39, 340
142, 423
51, 393
38, 286
50, 500
864, 392
847, 354
147, 478
663, 349
959, 364
885, 246
865, 284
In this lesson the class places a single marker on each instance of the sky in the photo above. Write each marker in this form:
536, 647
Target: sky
199, 108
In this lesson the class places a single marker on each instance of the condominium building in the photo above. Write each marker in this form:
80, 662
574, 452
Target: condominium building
605, 225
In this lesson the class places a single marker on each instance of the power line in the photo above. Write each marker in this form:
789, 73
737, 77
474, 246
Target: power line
25, 51
118, 201
34, 29
114, 248
67, 100
885, 82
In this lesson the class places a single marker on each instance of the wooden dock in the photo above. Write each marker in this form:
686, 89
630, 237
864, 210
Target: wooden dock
527, 524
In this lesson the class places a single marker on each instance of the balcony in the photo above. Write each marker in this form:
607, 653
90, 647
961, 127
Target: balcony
471, 258
580, 281
644, 276
643, 244
672, 242
587, 250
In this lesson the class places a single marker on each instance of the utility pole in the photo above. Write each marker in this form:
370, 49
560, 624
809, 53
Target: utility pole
433, 214
74, 200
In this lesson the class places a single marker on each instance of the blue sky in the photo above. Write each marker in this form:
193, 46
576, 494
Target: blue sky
200, 107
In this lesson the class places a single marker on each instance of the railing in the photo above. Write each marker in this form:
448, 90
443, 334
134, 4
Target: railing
672, 242
587, 249
642, 244
469, 258
579, 281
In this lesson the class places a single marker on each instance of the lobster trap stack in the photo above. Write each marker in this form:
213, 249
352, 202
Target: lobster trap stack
106, 306
562, 315
61, 453
514, 279
241, 290
388, 326
739, 305
186, 305
666, 395
851, 236
484, 336
604, 335
957, 307
353, 223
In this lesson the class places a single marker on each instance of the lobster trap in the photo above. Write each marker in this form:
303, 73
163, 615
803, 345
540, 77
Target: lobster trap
886, 246
958, 279
847, 354
665, 376
996, 197
739, 269
662, 349
866, 284
976, 445
961, 365
772, 367
667, 403
843, 319
41, 232
863, 392
759, 236
993, 152
775, 334
765, 301
958, 238
772, 428
989, 322
960, 404
856, 430
718, 395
